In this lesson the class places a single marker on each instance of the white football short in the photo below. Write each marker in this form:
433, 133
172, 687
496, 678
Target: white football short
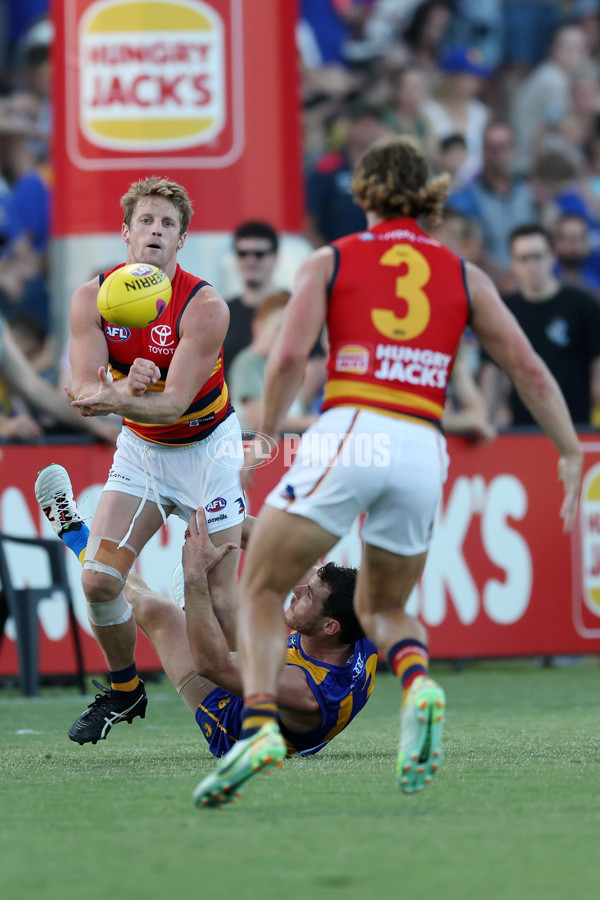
186, 477
353, 461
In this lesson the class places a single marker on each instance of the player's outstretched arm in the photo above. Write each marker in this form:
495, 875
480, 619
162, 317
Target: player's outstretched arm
503, 338
208, 644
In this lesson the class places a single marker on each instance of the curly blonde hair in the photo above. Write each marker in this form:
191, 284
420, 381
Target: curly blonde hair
390, 179
154, 186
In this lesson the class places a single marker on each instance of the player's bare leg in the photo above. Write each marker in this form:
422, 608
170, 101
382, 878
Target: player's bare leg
164, 625
384, 584
282, 549
106, 567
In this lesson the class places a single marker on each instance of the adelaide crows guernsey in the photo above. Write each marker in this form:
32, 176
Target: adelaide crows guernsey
398, 305
158, 342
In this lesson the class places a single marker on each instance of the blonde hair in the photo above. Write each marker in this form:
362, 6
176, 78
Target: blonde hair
154, 186
390, 179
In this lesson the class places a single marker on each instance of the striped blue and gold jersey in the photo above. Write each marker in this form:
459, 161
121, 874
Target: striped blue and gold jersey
341, 691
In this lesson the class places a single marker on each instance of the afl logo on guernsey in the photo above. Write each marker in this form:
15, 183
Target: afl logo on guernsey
590, 539
152, 74
216, 505
116, 333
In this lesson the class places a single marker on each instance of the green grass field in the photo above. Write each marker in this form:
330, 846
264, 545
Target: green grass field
512, 814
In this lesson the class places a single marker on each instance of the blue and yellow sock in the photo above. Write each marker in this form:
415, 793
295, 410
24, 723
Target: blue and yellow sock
408, 660
125, 679
258, 710
76, 539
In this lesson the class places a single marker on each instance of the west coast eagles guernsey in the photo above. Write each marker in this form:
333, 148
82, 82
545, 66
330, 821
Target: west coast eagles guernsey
341, 692
158, 342
398, 305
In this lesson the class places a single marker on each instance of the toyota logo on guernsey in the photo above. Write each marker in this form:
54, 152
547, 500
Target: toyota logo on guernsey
162, 337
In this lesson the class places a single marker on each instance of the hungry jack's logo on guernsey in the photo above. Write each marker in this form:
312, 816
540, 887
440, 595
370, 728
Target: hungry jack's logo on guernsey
156, 76
590, 539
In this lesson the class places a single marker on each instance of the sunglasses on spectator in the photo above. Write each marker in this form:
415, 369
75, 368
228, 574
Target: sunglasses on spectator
259, 254
531, 257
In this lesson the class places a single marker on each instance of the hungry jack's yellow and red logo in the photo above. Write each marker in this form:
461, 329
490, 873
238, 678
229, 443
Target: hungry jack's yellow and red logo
157, 77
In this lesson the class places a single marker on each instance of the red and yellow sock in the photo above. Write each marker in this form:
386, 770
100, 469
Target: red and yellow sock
125, 679
258, 710
408, 660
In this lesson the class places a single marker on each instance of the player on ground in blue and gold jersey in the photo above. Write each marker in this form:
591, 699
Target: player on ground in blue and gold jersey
330, 665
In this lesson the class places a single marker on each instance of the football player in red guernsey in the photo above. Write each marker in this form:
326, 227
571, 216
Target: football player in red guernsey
166, 381
395, 302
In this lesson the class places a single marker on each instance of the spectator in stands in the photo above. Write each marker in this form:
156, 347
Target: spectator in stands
422, 38
325, 94
255, 245
498, 200
563, 325
24, 129
479, 24
457, 108
591, 173
247, 373
33, 343
587, 14
559, 188
331, 211
575, 263
461, 234
332, 24
21, 378
410, 90
544, 96
528, 29
450, 157
465, 411
572, 131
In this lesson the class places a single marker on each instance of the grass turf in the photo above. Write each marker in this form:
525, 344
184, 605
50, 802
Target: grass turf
513, 813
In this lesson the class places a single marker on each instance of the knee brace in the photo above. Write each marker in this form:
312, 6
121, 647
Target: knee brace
97, 551
110, 612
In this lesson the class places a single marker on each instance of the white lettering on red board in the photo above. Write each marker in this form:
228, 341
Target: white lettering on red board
447, 577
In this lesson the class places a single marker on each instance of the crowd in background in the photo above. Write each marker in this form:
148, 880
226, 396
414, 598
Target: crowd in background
504, 96
25, 186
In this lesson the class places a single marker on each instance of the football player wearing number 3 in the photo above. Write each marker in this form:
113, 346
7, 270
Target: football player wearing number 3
396, 303
166, 381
